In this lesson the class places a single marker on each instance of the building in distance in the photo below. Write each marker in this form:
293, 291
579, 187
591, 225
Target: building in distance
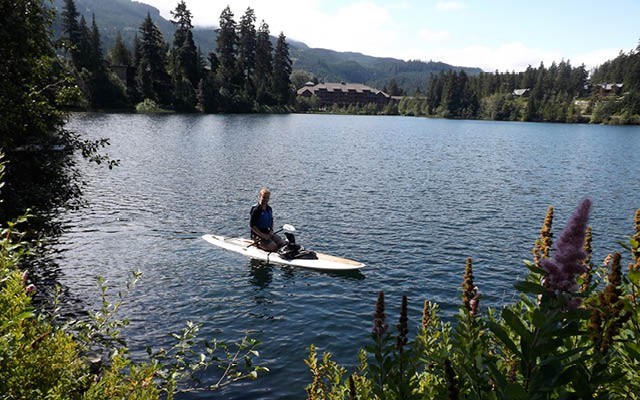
344, 94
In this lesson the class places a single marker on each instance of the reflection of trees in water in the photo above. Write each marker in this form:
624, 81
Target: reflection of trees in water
261, 273
45, 180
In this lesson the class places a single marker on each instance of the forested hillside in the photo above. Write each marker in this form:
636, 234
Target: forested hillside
224, 74
125, 17
557, 93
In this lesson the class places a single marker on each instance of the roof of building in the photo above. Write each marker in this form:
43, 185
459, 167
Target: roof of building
610, 86
520, 92
340, 87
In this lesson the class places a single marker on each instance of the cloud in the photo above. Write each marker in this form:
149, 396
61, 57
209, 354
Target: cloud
343, 29
361, 26
514, 56
366, 27
429, 35
449, 6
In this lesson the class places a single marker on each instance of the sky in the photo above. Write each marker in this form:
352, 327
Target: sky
503, 35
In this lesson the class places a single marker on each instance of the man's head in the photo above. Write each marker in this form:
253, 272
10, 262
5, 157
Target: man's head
263, 196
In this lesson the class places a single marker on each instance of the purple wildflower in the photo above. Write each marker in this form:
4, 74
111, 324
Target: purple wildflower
379, 318
403, 329
474, 303
567, 261
31, 288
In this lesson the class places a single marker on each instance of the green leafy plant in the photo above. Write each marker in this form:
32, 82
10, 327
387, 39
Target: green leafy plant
573, 333
88, 358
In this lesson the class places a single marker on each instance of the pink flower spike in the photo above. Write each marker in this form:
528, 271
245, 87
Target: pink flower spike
24, 278
31, 288
566, 264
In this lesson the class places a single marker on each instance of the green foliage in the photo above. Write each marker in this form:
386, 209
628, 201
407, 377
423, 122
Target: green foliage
36, 85
148, 106
550, 94
544, 346
282, 69
39, 359
152, 78
119, 53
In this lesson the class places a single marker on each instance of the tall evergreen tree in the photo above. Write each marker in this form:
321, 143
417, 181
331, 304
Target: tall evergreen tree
84, 48
226, 42
185, 53
119, 54
263, 71
151, 75
227, 74
247, 50
71, 29
282, 71
95, 52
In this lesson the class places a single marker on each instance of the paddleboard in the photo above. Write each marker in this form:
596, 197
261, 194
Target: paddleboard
246, 248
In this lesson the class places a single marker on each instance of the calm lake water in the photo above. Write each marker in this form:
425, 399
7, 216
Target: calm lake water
410, 197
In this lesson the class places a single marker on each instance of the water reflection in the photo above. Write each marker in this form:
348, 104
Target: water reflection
260, 273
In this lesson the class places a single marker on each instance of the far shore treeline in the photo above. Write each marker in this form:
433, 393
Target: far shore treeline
246, 73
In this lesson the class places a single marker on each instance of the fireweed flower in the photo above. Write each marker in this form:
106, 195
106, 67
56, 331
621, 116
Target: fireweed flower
379, 318
474, 303
470, 292
403, 329
567, 261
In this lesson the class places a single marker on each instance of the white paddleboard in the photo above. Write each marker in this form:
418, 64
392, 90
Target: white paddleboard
246, 248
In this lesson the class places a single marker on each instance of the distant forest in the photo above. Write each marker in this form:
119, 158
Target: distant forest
245, 73
558, 93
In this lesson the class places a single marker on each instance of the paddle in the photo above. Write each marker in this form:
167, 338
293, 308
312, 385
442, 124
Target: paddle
285, 227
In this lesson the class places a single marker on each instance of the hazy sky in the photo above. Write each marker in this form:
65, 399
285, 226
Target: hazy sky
507, 35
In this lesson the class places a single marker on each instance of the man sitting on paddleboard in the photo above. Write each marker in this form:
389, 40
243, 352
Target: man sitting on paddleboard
261, 224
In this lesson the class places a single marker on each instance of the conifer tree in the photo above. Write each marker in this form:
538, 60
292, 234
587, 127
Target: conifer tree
227, 73
282, 71
247, 50
226, 42
263, 71
71, 28
185, 53
119, 54
83, 50
151, 75
95, 51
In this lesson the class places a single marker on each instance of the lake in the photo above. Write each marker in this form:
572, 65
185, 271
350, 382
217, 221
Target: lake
410, 197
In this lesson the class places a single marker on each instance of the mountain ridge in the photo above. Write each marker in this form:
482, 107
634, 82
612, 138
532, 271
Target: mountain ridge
125, 16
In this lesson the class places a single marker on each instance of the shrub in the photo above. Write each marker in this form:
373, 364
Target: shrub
148, 106
573, 333
40, 359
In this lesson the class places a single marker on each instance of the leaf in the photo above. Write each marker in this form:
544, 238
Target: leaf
533, 268
514, 322
529, 287
503, 336
634, 277
497, 375
515, 391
